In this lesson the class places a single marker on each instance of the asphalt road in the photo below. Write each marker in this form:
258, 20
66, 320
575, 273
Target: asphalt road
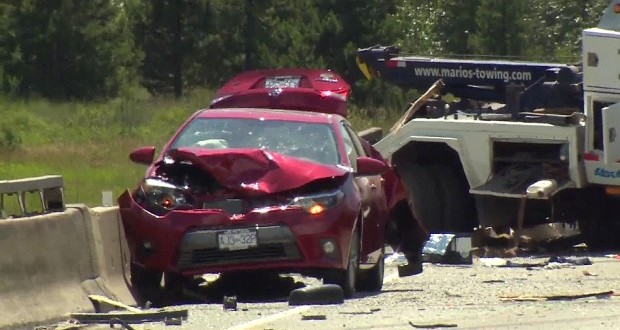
466, 297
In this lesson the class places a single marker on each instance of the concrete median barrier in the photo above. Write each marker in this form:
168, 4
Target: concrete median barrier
50, 263
112, 253
45, 268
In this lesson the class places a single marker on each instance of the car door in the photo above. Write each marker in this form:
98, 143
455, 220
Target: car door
373, 204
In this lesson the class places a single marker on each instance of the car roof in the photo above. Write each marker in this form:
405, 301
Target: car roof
317, 79
271, 114
317, 90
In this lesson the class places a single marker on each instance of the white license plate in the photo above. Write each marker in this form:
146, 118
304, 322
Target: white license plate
237, 239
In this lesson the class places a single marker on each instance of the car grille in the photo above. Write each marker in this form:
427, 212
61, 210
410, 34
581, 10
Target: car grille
199, 248
261, 253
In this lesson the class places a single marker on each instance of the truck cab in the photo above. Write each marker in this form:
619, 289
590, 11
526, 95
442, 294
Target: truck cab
601, 80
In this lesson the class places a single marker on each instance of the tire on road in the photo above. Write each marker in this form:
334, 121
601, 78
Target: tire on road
145, 284
347, 278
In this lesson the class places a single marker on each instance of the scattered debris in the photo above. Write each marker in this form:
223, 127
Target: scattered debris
508, 243
587, 273
230, 303
432, 325
130, 317
454, 295
115, 321
326, 294
371, 311
494, 281
551, 263
584, 261
307, 317
68, 325
396, 259
104, 304
448, 249
604, 294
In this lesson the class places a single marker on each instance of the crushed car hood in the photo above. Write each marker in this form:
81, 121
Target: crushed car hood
256, 170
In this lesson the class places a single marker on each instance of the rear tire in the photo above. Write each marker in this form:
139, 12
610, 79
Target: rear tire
439, 198
372, 279
346, 279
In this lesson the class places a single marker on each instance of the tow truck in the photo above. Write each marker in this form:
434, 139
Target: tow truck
509, 143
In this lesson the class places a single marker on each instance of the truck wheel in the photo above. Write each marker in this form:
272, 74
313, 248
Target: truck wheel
145, 284
456, 203
372, 279
346, 278
439, 198
423, 196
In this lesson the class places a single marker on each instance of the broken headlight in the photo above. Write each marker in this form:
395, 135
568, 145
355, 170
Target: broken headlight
160, 197
316, 204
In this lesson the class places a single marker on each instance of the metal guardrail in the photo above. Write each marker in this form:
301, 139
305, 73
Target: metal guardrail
50, 189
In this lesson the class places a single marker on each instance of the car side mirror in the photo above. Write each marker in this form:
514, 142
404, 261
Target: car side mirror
367, 166
143, 155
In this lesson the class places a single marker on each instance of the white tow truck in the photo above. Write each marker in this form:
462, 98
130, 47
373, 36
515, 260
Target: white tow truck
515, 144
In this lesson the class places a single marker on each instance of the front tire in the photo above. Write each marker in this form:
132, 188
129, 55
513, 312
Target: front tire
346, 279
145, 284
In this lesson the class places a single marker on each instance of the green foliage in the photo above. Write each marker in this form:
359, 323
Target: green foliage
9, 139
66, 49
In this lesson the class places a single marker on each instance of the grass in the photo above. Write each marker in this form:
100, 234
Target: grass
89, 143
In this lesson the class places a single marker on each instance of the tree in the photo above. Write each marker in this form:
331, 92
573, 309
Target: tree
499, 28
68, 48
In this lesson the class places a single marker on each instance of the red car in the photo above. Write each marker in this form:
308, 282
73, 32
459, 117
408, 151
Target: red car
258, 189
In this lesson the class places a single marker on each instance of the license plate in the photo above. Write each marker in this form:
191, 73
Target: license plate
237, 239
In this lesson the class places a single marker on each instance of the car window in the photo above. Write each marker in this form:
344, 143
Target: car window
356, 141
352, 150
311, 141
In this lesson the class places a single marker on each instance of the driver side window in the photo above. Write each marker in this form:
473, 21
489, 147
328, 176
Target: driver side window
350, 145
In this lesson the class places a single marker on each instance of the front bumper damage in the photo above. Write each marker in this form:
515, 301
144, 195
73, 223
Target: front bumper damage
185, 241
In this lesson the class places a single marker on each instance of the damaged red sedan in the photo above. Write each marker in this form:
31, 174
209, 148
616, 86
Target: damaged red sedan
247, 189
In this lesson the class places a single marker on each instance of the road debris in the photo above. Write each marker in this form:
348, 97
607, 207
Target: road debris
326, 294
453, 295
448, 249
371, 311
104, 304
551, 263
587, 273
307, 317
229, 303
433, 325
603, 294
130, 317
396, 259
494, 281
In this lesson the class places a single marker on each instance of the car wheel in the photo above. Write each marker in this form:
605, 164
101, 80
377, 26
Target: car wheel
346, 278
372, 279
145, 284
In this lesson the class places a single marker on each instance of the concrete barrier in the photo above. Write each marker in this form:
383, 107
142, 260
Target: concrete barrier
50, 263
45, 267
112, 253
